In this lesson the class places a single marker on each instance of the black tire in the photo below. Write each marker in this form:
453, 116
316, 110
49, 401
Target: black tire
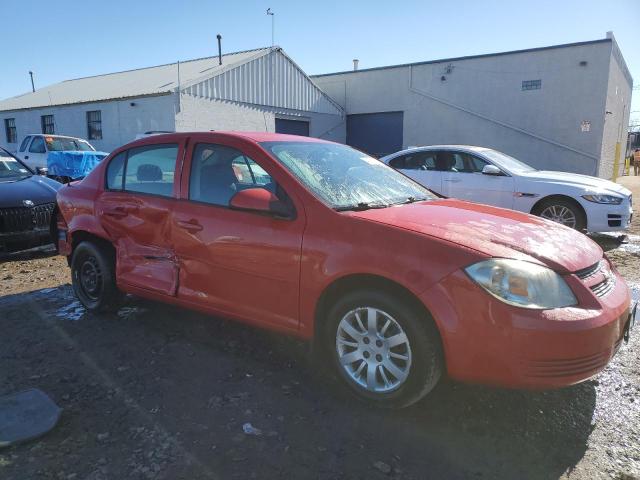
581, 220
427, 362
89, 260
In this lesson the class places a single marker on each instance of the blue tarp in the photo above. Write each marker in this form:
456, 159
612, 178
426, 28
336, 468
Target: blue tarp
73, 164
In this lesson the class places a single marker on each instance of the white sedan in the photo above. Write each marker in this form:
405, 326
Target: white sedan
487, 176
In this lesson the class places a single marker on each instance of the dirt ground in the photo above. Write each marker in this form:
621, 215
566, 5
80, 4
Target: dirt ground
154, 392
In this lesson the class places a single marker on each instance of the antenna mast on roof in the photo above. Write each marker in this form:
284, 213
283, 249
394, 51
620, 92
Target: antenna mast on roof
273, 26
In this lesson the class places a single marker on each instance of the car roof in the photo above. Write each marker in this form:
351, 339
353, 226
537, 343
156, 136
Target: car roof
427, 148
253, 136
53, 136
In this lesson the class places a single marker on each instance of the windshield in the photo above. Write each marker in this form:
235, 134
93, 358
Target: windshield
10, 168
345, 178
509, 163
61, 144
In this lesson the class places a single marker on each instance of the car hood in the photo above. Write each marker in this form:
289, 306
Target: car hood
36, 188
495, 232
591, 184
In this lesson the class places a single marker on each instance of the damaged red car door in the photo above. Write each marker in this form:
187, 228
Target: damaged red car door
135, 210
238, 262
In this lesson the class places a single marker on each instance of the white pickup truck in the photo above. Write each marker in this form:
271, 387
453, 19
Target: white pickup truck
66, 158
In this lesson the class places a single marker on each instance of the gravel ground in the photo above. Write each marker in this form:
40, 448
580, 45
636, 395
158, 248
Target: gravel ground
157, 392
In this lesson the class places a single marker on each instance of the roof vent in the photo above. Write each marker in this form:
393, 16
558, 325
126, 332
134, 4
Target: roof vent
355, 64
219, 37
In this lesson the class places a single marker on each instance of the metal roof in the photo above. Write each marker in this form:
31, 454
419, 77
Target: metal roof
469, 57
158, 80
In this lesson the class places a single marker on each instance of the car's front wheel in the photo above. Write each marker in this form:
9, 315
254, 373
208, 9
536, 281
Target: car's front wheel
562, 211
93, 278
383, 349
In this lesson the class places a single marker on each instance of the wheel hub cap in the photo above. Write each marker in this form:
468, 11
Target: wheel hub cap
373, 349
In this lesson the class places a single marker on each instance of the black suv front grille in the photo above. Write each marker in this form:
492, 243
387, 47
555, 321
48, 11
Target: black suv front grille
22, 219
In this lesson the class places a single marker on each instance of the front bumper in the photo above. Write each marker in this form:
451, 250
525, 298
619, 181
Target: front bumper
14, 242
608, 218
487, 341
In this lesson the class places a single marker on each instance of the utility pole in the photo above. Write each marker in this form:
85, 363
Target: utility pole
33, 88
273, 26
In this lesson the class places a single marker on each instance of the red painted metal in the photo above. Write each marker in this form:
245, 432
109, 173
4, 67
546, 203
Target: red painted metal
272, 272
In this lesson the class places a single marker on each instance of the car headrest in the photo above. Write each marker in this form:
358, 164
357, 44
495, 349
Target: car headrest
218, 175
149, 173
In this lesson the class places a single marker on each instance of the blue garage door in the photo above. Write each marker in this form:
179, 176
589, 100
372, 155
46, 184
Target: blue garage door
378, 134
292, 127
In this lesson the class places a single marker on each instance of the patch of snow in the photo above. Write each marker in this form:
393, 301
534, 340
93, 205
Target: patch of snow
73, 311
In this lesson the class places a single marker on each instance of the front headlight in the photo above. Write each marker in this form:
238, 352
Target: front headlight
609, 199
522, 283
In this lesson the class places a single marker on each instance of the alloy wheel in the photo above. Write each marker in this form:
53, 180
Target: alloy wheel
560, 214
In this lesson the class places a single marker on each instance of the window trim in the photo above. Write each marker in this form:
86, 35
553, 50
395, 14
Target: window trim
53, 124
178, 144
26, 142
187, 196
33, 138
11, 128
91, 122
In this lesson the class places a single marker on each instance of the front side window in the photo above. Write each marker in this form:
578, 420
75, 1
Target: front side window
10, 130
37, 145
23, 145
47, 124
151, 169
218, 172
468, 163
94, 125
415, 161
344, 178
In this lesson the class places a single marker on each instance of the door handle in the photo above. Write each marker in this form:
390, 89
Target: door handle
190, 226
26, 157
452, 180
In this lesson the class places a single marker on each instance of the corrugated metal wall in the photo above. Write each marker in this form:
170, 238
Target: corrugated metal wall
272, 80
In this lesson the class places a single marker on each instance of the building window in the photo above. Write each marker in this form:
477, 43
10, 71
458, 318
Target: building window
94, 125
10, 130
47, 124
531, 84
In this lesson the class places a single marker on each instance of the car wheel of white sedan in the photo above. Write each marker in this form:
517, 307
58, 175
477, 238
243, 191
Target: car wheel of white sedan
562, 211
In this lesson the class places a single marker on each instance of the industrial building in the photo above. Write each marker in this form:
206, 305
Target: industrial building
563, 107
259, 90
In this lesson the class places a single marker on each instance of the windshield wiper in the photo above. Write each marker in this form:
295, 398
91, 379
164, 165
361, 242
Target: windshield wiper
411, 200
361, 206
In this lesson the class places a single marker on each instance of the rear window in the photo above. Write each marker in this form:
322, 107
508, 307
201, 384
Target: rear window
115, 172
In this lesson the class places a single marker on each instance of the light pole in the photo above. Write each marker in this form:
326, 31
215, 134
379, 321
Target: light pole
273, 26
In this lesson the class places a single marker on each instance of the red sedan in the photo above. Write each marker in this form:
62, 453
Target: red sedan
394, 286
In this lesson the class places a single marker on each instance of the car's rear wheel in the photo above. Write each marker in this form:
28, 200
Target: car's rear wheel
562, 211
383, 349
93, 278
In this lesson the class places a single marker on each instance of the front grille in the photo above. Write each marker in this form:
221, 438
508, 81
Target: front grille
22, 219
604, 287
589, 271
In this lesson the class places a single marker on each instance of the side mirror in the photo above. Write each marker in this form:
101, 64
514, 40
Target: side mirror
491, 170
42, 171
259, 200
